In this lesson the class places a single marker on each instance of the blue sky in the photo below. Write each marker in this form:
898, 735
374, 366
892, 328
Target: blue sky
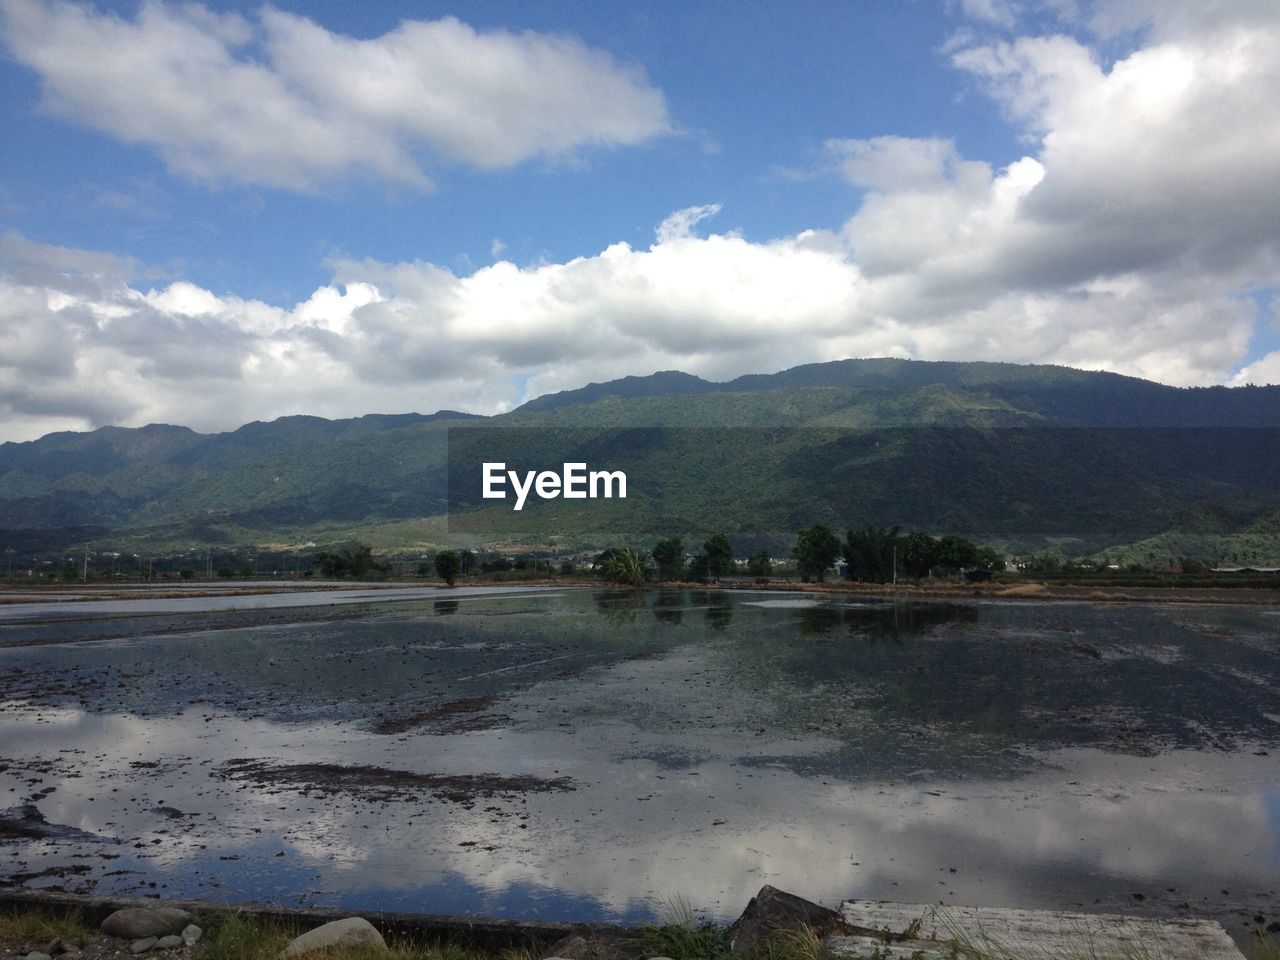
213, 214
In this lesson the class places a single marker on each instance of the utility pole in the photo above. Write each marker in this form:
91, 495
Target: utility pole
85, 573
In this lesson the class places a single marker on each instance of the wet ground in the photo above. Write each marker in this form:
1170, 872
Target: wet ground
580, 754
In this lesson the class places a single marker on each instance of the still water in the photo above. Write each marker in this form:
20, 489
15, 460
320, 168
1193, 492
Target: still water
585, 754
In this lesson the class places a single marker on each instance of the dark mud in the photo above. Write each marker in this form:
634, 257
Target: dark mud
381, 785
26, 822
457, 716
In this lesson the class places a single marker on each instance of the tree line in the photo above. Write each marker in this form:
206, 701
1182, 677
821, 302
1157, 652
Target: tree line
871, 555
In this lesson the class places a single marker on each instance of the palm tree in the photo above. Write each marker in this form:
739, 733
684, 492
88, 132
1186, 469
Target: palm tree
624, 566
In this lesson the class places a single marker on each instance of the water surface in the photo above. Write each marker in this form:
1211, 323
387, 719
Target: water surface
590, 754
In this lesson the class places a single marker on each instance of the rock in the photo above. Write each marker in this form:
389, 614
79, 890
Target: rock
598, 943
57, 945
37, 955
350, 932
143, 945
190, 934
773, 913
133, 923
171, 942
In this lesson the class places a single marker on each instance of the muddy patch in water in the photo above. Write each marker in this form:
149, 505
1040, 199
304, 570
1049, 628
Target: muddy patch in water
464, 715
26, 822
383, 785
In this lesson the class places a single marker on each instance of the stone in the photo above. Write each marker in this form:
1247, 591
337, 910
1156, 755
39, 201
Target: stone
134, 923
598, 943
773, 913
143, 945
37, 955
171, 942
349, 932
190, 934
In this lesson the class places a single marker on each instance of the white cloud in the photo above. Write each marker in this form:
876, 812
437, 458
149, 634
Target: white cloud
1133, 237
1002, 13
284, 102
1264, 370
679, 225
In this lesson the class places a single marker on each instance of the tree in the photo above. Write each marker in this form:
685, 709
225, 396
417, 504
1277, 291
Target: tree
919, 554
362, 562
956, 553
343, 563
989, 558
872, 553
719, 556
759, 565
698, 569
816, 551
622, 565
448, 566
669, 556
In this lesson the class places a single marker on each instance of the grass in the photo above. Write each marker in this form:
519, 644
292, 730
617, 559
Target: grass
233, 937
1263, 947
27, 927
799, 944
681, 936
230, 936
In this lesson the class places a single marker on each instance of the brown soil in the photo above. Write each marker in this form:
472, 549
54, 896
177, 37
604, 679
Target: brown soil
456, 716
383, 785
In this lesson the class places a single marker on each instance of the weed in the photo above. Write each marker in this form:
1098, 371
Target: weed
27, 927
681, 936
798, 944
1263, 947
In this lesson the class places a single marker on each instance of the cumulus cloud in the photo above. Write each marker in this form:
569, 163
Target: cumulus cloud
282, 101
679, 225
1137, 235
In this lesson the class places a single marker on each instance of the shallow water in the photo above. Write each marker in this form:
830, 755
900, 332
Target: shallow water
1031, 754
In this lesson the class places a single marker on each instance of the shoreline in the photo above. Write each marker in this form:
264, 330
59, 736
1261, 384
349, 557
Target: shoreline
1030, 590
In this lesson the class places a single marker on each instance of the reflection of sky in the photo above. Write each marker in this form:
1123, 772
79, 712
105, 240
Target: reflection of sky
1271, 800
710, 758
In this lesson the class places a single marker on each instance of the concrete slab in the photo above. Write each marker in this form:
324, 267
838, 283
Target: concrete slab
919, 931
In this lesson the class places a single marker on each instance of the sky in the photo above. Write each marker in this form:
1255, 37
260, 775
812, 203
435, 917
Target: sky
217, 213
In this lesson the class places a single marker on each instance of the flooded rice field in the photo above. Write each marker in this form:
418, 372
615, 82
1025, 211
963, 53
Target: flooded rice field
585, 754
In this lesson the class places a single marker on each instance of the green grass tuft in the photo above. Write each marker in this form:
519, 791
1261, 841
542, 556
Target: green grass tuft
681, 936
1263, 947
23, 927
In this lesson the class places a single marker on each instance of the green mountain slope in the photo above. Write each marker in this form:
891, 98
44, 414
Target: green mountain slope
984, 448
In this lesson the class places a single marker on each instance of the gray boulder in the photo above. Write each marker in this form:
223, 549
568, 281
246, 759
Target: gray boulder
191, 933
350, 932
143, 945
135, 923
37, 955
170, 942
772, 914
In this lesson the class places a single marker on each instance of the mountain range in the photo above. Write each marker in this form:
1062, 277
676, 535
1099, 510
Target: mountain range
1001, 451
